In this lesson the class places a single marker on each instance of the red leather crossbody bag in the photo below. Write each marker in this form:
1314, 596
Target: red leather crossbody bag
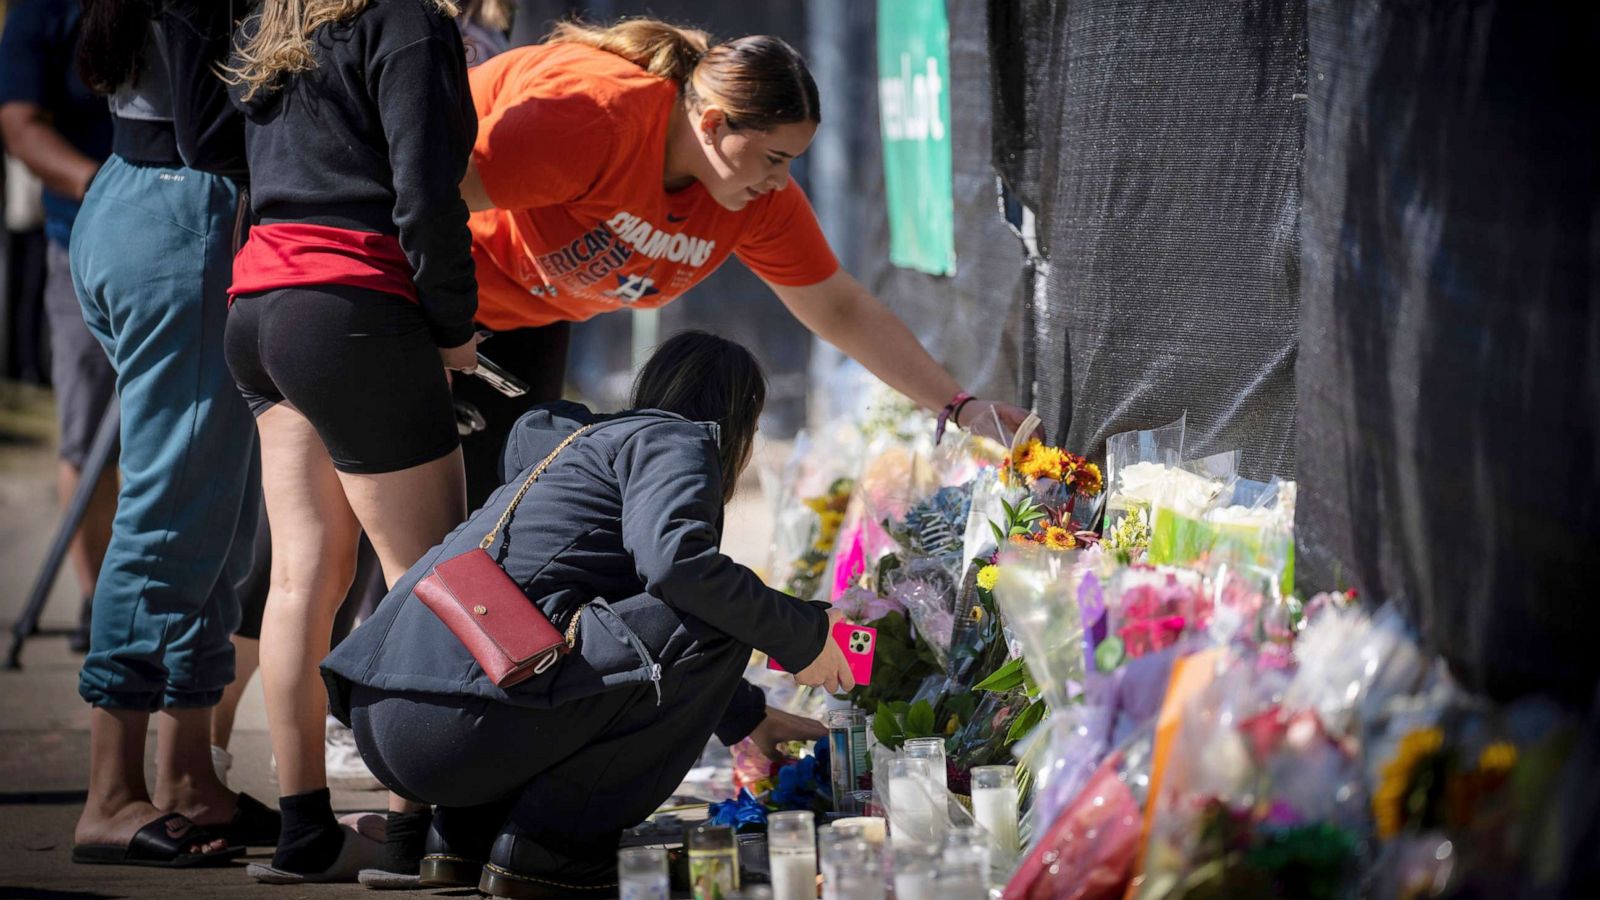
486, 610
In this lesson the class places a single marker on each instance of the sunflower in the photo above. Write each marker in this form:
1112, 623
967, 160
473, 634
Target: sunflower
987, 576
1398, 777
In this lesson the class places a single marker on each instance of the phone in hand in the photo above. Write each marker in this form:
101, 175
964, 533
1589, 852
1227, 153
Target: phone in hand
499, 379
860, 645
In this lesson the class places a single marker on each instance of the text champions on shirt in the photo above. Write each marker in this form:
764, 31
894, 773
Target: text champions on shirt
603, 249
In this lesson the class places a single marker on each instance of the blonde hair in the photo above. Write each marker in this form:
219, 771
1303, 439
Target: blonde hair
281, 43
758, 82
494, 14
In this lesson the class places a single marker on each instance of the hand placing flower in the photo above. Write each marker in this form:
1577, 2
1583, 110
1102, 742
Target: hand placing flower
779, 728
994, 420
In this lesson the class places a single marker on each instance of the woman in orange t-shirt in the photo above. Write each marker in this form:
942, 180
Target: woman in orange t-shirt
617, 167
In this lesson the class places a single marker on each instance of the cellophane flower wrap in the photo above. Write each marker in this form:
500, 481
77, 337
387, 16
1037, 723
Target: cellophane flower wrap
809, 497
1133, 460
1257, 800
1088, 850
1469, 798
1248, 521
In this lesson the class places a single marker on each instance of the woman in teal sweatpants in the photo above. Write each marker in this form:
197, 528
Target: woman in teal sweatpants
151, 262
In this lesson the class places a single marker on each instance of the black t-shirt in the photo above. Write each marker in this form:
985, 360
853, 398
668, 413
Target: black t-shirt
38, 53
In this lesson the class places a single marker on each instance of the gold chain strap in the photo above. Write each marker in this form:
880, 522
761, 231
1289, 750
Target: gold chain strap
572, 627
488, 539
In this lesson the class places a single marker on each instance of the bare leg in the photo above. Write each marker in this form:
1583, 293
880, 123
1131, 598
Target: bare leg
119, 801
186, 782
246, 657
314, 537
405, 513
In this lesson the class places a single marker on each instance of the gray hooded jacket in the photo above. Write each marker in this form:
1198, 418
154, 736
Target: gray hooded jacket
629, 515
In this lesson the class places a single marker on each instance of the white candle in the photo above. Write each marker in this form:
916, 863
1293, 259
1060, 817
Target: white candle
913, 815
794, 873
913, 885
996, 810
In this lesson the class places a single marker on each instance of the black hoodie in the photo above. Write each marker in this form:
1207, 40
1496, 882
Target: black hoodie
376, 138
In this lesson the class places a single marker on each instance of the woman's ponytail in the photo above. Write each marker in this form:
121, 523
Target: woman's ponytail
758, 82
662, 49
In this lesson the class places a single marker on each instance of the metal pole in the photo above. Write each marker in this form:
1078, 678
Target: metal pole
105, 438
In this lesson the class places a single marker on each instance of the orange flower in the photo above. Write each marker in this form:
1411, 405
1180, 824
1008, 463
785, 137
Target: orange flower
1058, 538
1090, 481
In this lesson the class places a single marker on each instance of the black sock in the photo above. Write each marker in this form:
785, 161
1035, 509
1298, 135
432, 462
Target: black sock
403, 840
311, 838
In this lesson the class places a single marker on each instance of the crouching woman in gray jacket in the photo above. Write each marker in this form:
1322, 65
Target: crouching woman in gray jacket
533, 784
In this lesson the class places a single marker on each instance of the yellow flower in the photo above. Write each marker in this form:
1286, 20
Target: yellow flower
987, 576
1500, 756
1058, 538
831, 521
1395, 780
1025, 453
1046, 462
818, 505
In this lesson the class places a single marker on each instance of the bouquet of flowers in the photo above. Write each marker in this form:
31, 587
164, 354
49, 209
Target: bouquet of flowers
1088, 851
1257, 800
1246, 521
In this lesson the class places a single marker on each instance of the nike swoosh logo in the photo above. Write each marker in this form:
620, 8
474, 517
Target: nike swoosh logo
177, 828
673, 218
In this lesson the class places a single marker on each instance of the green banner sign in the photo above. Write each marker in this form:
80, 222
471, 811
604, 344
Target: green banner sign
914, 110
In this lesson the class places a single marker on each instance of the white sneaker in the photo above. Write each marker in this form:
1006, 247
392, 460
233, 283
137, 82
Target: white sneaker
343, 760
222, 761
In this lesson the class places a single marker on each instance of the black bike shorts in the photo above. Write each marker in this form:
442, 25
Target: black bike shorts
359, 364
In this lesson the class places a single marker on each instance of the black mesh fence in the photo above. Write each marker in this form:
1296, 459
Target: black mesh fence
1450, 371
1159, 144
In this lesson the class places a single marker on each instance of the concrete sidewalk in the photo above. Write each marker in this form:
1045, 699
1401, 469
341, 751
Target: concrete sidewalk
44, 725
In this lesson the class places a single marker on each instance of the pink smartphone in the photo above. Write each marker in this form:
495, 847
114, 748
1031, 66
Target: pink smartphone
859, 643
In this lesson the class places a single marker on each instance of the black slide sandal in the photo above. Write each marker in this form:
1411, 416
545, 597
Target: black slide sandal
161, 844
254, 824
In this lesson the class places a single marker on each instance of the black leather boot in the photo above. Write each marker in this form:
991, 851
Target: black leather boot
459, 840
577, 866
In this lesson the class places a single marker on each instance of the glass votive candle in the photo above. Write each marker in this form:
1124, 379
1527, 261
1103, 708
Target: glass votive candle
842, 847
713, 862
915, 814
995, 807
932, 750
792, 855
914, 868
642, 873
963, 873
859, 879
848, 756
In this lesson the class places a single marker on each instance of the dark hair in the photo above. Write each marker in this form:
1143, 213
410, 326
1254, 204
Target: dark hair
705, 378
111, 37
758, 82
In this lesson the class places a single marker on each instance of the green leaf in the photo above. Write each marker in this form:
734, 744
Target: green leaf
999, 536
1008, 677
1109, 654
1025, 722
919, 719
885, 728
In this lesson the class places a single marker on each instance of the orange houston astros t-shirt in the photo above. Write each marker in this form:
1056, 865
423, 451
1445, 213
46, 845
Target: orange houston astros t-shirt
571, 148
